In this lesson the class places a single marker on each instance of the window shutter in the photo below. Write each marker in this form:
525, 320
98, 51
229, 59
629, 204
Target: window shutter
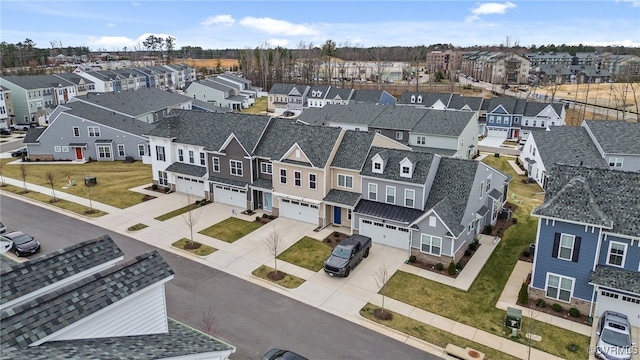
576, 249
556, 245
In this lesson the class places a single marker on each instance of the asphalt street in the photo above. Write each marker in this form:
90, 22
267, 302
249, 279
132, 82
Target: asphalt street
247, 316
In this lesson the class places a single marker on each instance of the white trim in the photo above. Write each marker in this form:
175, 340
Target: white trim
297, 176
215, 160
345, 181
413, 197
386, 194
546, 284
624, 253
573, 246
431, 238
369, 191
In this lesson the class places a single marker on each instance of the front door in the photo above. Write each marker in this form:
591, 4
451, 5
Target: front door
337, 215
78, 153
268, 201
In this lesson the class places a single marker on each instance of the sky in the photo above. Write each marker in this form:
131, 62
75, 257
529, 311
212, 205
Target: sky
115, 25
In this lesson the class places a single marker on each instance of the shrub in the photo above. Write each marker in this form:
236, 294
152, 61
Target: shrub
265, 216
556, 307
574, 312
439, 266
473, 246
460, 265
336, 234
257, 218
154, 187
523, 294
514, 220
468, 252
412, 258
526, 253
452, 268
487, 229
496, 155
271, 217
541, 303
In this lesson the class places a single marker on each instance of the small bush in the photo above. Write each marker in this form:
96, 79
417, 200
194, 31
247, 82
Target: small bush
573, 312
487, 229
496, 155
336, 234
473, 246
541, 303
265, 216
460, 265
468, 252
439, 266
452, 268
523, 294
257, 218
556, 307
154, 187
271, 217
412, 258
526, 253
514, 220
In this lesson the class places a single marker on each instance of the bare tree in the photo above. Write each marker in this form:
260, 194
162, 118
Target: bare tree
275, 245
530, 327
23, 174
381, 276
209, 323
89, 185
380, 62
51, 180
2, 183
191, 218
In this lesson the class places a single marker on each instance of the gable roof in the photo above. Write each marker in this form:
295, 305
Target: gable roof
33, 134
534, 108
428, 98
370, 96
616, 137
32, 82
353, 150
135, 103
584, 195
399, 117
316, 142
352, 113
73, 78
342, 93
567, 145
443, 122
210, 130
458, 102
421, 165
107, 118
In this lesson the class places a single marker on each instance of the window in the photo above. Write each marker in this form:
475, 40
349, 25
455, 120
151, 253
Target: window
57, 148
432, 221
488, 187
104, 152
615, 162
421, 140
566, 247
297, 178
349, 214
266, 168
373, 192
413, 99
162, 178
216, 164
535, 122
180, 155
430, 244
191, 157
482, 190
141, 149
76, 131
202, 161
616, 253
94, 131
559, 287
391, 194
345, 181
498, 119
409, 197
398, 135
312, 181
160, 153
283, 176
121, 151
236, 167
377, 166
406, 171
65, 149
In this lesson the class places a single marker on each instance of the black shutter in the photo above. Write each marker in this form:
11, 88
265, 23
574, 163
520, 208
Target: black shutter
576, 249
556, 245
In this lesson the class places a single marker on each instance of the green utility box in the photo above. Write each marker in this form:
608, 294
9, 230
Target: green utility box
514, 318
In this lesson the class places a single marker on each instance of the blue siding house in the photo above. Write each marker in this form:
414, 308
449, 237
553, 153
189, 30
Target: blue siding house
588, 242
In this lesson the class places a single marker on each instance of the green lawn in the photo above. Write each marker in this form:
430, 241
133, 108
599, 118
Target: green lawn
63, 204
137, 227
289, 281
202, 250
258, 107
177, 212
308, 253
115, 178
231, 229
477, 306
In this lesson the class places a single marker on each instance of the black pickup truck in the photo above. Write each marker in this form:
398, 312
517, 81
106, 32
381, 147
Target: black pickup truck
347, 255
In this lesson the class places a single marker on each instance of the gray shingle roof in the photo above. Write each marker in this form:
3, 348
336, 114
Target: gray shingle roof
387, 211
450, 191
23, 278
316, 142
567, 145
262, 183
205, 106
353, 150
210, 130
616, 137
187, 169
108, 118
457, 102
340, 93
432, 150
370, 96
392, 168
281, 89
29, 322
399, 117
616, 278
353, 113
342, 197
533, 108
31, 82
603, 197
443, 122
33, 134
135, 103
73, 78
231, 182
428, 98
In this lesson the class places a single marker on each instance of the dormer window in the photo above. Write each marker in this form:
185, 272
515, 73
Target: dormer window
413, 99
420, 99
406, 168
377, 167
377, 164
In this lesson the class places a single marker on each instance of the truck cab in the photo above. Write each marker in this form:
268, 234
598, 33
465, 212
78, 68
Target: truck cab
347, 255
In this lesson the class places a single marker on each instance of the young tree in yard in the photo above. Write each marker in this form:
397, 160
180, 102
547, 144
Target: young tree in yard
381, 275
209, 323
275, 245
531, 328
23, 173
51, 180
191, 218
2, 183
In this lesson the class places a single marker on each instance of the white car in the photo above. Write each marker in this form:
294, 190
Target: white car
614, 337
5, 244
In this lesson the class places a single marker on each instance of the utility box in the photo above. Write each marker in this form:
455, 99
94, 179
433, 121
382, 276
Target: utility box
90, 181
514, 318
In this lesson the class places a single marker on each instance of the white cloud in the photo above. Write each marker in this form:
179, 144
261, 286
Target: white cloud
634, 3
489, 8
135, 4
273, 26
111, 42
278, 42
224, 20
111, 25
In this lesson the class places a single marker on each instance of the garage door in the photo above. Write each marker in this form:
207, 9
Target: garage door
498, 132
230, 196
385, 234
190, 186
628, 305
299, 210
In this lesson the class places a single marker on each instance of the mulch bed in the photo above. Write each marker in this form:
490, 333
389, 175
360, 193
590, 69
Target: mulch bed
382, 314
431, 266
276, 275
334, 239
191, 245
564, 314
158, 189
147, 198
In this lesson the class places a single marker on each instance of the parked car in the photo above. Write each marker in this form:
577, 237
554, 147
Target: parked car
347, 255
5, 244
278, 354
5, 131
3, 228
19, 152
23, 244
614, 337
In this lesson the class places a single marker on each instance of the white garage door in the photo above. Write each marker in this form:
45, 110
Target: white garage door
385, 234
299, 210
190, 186
230, 196
628, 305
498, 132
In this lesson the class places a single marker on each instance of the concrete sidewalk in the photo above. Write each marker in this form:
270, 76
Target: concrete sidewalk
342, 297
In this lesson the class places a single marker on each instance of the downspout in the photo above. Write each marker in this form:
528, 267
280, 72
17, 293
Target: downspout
593, 296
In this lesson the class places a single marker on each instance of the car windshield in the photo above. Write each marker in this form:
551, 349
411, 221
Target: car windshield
615, 338
341, 252
22, 239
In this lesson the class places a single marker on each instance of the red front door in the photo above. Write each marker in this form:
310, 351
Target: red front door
78, 153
